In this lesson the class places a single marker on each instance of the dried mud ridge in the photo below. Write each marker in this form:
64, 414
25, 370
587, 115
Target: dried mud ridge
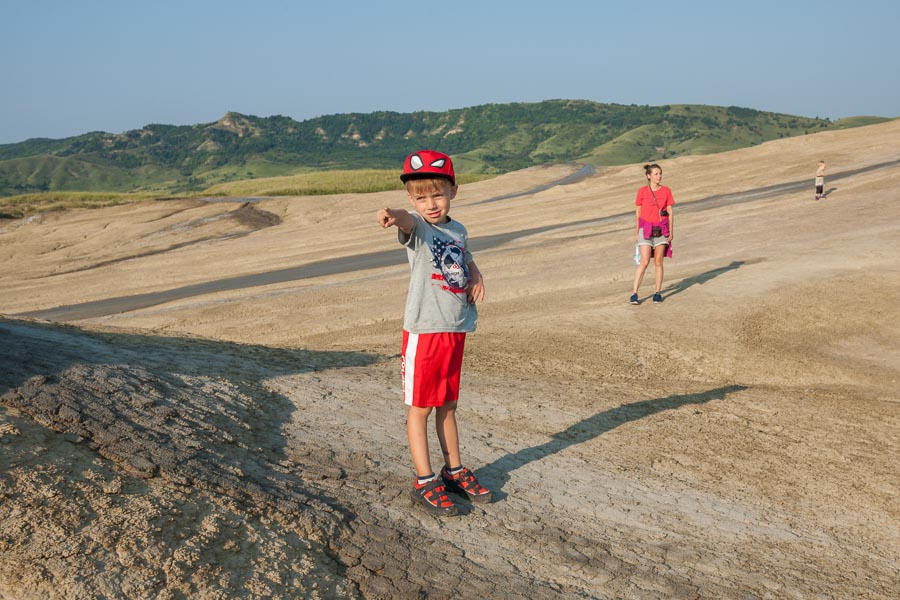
150, 481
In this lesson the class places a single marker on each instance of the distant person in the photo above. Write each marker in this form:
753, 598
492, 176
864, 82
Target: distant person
820, 180
444, 286
653, 229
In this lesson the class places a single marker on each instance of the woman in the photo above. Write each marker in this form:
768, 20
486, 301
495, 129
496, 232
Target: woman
653, 228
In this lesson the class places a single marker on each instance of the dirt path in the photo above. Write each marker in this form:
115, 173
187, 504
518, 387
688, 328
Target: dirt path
364, 262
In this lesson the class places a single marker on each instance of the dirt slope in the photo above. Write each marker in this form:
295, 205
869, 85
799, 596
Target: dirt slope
238, 431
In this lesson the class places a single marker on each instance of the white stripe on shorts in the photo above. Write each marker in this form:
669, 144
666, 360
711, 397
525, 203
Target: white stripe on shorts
409, 368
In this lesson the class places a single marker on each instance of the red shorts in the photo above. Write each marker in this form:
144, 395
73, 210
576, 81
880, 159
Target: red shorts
429, 366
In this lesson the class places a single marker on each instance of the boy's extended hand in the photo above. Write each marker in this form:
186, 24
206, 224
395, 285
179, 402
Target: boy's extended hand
389, 217
386, 217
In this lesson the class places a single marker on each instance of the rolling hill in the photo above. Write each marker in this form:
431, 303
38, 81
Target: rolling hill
492, 138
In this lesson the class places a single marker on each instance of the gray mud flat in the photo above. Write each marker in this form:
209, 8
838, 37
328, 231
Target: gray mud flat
140, 467
135, 466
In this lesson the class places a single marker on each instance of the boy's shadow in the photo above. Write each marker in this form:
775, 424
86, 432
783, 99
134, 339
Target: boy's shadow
828, 192
677, 288
497, 473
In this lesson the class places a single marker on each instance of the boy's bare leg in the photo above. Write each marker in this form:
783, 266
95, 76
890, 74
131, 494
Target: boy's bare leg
448, 435
417, 432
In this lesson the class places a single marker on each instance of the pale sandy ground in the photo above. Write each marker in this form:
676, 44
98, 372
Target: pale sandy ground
740, 440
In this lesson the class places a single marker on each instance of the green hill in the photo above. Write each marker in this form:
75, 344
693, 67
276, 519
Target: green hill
491, 138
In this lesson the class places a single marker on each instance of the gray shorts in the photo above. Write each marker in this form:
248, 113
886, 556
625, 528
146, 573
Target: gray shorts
652, 242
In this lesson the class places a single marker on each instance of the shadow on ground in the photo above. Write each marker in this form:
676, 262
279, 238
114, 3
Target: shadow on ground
497, 473
687, 282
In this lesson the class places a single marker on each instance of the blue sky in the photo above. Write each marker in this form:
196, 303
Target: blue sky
69, 67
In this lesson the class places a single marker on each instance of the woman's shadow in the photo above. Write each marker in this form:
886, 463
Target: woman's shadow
680, 286
497, 473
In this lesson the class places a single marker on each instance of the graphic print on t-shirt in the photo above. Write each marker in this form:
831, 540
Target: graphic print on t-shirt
450, 259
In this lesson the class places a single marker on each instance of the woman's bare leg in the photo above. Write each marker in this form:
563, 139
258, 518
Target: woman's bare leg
641, 268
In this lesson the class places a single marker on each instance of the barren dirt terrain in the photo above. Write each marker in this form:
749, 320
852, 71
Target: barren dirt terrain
201, 399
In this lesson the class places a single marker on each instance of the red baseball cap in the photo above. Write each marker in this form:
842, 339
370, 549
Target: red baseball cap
428, 163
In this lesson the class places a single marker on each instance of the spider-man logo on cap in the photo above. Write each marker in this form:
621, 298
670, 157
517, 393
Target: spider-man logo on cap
428, 163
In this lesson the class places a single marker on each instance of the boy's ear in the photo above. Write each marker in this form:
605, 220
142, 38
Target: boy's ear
453, 190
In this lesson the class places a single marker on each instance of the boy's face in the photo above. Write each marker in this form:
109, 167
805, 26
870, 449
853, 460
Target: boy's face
431, 198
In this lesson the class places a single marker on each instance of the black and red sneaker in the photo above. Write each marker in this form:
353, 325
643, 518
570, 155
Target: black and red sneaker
465, 484
433, 497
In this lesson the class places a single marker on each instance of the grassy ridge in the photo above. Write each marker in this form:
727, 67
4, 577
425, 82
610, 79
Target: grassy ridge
308, 184
361, 181
848, 122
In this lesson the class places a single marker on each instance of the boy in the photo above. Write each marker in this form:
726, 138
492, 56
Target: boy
820, 180
444, 286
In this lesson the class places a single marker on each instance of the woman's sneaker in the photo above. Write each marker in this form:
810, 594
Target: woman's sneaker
634, 299
465, 484
433, 496
657, 297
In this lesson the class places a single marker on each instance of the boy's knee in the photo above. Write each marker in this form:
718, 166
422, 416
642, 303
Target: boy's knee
447, 408
421, 412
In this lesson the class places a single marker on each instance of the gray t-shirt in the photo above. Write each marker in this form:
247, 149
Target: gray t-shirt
439, 277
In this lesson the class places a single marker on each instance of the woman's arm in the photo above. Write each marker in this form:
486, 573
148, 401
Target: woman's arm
671, 223
637, 223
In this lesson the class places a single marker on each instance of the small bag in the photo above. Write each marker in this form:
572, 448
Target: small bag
656, 231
